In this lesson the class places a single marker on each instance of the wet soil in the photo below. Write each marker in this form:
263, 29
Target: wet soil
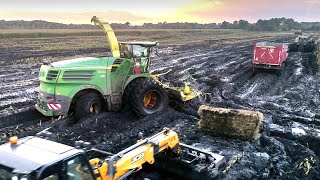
288, 149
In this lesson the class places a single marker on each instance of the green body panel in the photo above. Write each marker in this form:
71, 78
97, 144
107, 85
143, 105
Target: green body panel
43, 111
47, 87
86, 62
64, 79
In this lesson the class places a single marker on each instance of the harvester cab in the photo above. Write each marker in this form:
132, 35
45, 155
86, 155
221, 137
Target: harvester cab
139, 52
35, 158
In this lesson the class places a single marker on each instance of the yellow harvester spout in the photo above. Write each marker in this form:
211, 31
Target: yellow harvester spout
113, 41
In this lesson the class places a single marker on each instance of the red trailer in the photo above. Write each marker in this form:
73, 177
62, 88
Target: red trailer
268, 55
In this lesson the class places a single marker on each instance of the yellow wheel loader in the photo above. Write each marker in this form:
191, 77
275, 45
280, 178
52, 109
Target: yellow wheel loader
35, 158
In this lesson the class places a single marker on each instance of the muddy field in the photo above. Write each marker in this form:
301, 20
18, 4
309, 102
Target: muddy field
290, 144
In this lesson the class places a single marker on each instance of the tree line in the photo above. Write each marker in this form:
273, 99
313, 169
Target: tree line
274, 24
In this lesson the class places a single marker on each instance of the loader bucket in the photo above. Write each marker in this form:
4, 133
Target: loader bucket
230, 123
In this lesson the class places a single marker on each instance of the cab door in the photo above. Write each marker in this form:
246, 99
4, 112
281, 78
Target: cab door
78, 168
52, 172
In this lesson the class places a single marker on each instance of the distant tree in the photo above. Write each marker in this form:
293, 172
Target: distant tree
274, 24
226, 25
243, 24
127, 24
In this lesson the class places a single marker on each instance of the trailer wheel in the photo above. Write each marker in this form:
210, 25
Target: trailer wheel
254, 71
279, 71
88, 105
301, 47
148, 97
293, 47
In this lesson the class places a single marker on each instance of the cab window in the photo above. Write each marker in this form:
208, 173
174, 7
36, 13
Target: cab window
140, 51
78, 169
126, 51
52, 172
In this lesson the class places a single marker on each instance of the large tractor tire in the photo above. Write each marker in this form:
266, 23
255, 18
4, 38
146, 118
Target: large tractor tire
148, 97
126, 97
88, 105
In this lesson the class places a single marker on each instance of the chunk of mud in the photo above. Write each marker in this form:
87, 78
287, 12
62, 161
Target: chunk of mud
231, 123
270, 106
298, 132
318, 51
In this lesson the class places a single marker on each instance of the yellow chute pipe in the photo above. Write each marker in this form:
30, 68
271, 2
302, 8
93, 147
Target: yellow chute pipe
112, 39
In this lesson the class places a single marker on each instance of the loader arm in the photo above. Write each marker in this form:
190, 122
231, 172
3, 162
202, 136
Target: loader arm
111, 37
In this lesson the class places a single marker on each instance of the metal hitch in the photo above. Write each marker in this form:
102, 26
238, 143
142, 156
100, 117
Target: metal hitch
190, 154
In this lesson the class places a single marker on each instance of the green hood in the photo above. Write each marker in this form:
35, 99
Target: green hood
84, 62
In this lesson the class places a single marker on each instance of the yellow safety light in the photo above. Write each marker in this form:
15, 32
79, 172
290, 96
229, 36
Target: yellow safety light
13, 140
186, 90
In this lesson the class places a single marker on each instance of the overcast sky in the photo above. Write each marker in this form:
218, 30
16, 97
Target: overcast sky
140, 11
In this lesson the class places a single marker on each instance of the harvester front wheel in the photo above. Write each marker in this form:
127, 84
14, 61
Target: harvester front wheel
88, 105
148, 97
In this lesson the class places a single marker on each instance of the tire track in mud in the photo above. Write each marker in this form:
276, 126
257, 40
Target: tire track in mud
19, 86
291, 99
225, 72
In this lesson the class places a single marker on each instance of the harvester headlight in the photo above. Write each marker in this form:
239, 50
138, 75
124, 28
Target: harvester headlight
51, 99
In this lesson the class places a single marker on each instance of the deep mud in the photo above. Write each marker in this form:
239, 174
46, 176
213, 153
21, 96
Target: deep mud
288, 149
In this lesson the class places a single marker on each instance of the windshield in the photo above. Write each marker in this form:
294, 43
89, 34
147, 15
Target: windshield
139, 51
7, 174
125, 51
133, 51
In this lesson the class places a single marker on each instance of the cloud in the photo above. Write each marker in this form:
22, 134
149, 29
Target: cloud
140, 11
313, 2
252, 10
75, 17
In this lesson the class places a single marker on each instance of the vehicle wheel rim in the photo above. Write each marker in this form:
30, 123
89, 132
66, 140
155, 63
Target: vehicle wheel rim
151, 100
94, 108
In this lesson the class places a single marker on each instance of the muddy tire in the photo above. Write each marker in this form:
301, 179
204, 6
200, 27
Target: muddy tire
280, 70
254, 71
88, 105
293, 47
148, 97
301, 47
127, 94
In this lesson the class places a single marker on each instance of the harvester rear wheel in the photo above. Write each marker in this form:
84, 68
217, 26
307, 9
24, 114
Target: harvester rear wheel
127, 94
148, 97
88, 105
